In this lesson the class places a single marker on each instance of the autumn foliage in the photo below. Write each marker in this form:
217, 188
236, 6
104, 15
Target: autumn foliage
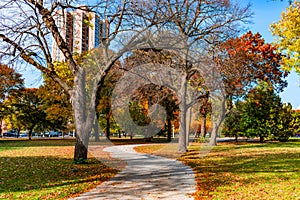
9, 80
287, 31
245, 60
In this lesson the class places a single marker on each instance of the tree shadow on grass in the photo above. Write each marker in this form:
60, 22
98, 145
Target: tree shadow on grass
269, 144
259, 167
39, 172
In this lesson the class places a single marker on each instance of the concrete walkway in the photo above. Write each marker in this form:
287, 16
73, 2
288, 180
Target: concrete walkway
145, 177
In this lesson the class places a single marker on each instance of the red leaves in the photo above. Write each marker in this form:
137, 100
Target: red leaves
247, 59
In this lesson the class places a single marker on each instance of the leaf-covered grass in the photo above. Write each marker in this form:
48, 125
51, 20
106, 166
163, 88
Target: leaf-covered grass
44, 169
243, 170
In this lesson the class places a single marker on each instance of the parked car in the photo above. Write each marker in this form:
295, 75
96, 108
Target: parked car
72, 134
11, 133
55, 134
23, 135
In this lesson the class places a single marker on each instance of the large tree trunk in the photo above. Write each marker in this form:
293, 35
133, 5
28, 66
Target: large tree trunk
182, 133
182, 147
81, 150
83, 120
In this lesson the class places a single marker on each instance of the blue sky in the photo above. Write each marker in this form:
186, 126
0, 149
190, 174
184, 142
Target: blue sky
265, 12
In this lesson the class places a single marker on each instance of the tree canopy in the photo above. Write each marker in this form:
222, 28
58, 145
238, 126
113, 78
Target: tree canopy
261, 114
27, 25
26, 109
287, 31
245, 61
10, 81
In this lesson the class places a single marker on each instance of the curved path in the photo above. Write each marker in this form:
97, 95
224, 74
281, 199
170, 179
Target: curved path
145, 177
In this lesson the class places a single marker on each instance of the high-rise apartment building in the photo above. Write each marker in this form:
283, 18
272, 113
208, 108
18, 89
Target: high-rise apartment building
82, 31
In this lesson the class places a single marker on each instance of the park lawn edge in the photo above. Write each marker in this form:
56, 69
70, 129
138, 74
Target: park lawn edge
249, 162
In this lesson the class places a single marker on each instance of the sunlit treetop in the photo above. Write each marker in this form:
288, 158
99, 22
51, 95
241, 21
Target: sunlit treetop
245, 60
9, 80
287, 32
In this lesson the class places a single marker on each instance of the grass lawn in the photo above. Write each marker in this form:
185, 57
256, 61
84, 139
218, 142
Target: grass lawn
44, 169
243, 170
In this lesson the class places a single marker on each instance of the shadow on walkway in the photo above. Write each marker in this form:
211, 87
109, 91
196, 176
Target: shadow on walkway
145, 177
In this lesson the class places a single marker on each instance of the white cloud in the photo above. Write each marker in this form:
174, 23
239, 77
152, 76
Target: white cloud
298, 108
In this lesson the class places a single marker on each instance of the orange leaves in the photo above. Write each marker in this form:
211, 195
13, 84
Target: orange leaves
9, 80
247, 59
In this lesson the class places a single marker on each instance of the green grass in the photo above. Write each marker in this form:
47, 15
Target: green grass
244, 170
44, 169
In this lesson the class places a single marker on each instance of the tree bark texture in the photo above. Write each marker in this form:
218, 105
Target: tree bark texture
218, 115
96, 129
203, 125
79, 108
169, 125
182, 146
108, 128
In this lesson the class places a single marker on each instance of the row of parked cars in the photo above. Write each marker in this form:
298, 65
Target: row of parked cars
13, 133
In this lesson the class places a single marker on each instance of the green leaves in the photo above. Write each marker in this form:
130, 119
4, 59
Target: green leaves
27, 112
296, 122
261, 115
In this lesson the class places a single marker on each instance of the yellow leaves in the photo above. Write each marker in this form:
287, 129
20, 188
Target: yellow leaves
88, 21
63, 71
287, 31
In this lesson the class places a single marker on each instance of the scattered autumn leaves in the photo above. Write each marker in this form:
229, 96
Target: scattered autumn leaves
46, 171
43, 169
244, 170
